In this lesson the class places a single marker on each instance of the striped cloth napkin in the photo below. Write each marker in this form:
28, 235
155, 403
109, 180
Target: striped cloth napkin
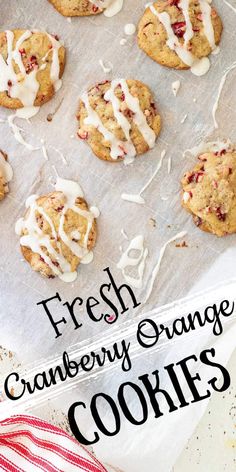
29, 444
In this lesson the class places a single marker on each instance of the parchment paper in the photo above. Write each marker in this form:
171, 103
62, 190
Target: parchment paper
87, 40
25, 328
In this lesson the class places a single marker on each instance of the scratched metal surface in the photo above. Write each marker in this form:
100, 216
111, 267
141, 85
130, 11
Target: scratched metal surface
87, 40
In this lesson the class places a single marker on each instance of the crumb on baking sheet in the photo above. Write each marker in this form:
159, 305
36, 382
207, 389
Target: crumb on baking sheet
152, 222
182, 244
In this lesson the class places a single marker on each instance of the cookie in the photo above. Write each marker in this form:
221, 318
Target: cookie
31, 66
180, 33
118, 119
6, 175
209, 192
58, 231
78, 7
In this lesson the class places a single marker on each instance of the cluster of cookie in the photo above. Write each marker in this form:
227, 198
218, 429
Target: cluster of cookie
119, 120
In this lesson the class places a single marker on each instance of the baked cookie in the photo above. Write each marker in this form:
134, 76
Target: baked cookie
209, 192
118, 119
78, 7
31, 66
58, 231
178, 33
6, 174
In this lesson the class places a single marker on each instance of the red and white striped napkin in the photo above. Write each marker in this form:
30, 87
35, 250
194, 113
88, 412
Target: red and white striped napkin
29, 444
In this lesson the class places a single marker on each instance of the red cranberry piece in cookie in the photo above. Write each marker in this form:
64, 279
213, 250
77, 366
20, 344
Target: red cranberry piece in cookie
179, 28
195, 177
220, 214
31, 64
83, 134
174, 3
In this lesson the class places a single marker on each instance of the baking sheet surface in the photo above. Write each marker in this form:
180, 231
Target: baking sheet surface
87, 41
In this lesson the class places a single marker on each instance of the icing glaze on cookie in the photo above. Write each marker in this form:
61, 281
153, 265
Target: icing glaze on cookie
33, 237
198, 66
24, 85
209, 190
120, 148
6, 174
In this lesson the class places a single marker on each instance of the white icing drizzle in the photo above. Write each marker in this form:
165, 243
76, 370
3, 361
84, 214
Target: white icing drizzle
36, 239
133, 198
207, 23
198, 66
186, 197
188, 35
17, 130
95, 211
6, 171
211, 146
139, 117
184, 119
120, 148
124, 234
222, 83
63, 159
110, 7
113, 8
127, 260
44, 150
229, 5
175, 87
129, 29
25, 86
201, 66
55, 65
169, 165
106, 67
137, 198
158, 265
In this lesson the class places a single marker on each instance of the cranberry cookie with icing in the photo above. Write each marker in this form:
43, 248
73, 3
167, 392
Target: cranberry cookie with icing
58, 231
180, 33
6, 175
79, 7
118, 119
209, 192
31, 66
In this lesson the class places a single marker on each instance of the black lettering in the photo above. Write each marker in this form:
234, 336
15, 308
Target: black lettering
74, 427
226, 377
124, 406
153, 391
118, 292
71, 367
176, 385
144, 338
97, 417
8, 390
70, 307
89, 307
54, 372
191, 380
53, 323
107, 317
